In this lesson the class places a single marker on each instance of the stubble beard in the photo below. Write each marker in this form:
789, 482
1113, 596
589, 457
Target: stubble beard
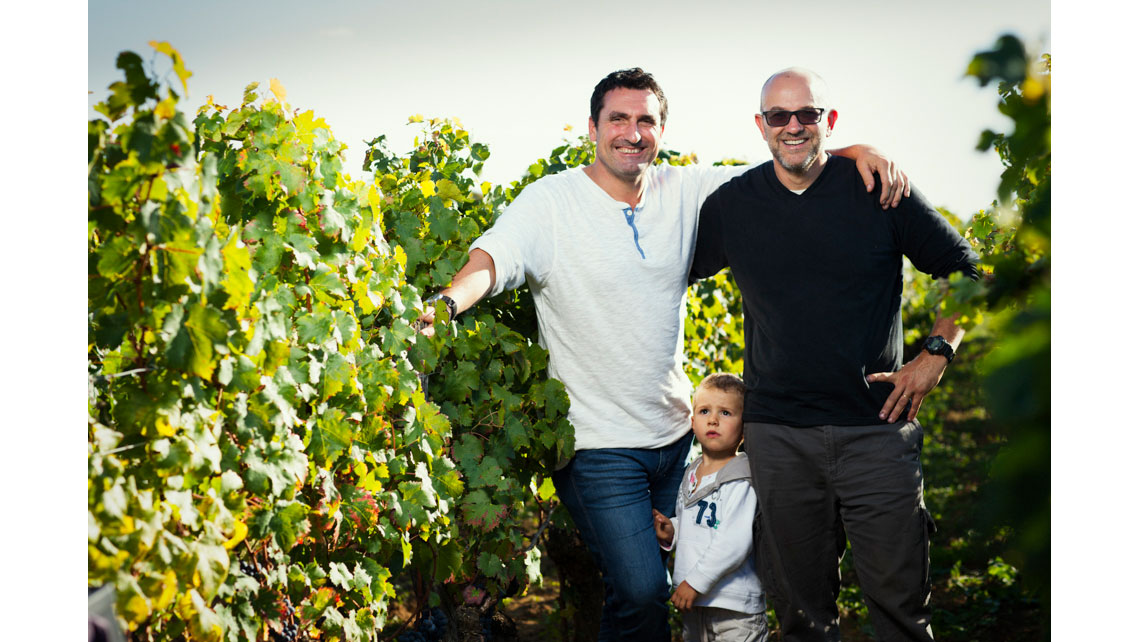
800, 168
622, 168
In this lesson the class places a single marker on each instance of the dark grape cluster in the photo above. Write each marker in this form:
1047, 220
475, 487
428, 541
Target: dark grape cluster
288, 622
249, 568
288, 633
431, 628
286, 609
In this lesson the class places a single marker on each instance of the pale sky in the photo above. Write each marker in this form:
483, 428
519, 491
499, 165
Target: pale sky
515, 73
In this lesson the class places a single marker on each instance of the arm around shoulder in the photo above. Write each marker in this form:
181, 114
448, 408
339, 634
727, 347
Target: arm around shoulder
870, 161
708, 250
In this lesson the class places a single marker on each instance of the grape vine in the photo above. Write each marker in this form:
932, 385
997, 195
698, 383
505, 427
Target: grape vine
262, 458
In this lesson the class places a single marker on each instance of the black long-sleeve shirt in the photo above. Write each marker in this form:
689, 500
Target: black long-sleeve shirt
821, 277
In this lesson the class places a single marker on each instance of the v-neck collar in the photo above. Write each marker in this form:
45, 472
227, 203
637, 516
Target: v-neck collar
787, 194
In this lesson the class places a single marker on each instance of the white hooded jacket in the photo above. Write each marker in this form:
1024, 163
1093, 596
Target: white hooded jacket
713, 535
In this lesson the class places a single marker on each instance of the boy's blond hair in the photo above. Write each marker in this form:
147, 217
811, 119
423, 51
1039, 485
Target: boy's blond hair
725, 382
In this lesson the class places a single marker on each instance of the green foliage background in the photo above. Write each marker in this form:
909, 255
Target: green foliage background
272, 444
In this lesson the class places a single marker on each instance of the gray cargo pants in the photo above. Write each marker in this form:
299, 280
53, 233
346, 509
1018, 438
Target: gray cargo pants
819, 486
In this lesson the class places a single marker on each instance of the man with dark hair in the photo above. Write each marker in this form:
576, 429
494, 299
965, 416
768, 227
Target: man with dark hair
618, 232
829, 418
634, 78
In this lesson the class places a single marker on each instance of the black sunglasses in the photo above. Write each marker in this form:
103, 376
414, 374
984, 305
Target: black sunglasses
779, 117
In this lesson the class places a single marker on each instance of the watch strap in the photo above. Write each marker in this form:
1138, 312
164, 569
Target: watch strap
937, 345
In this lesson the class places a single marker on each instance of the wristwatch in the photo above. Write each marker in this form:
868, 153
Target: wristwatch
451, 309
937, 345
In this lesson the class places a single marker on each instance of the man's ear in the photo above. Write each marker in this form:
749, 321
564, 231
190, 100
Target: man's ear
832, 116
593, 130
760, 124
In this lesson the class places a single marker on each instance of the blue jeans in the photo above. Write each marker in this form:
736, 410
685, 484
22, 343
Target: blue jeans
610, 493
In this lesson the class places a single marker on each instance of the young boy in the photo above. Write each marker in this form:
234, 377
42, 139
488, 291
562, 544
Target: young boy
717, 591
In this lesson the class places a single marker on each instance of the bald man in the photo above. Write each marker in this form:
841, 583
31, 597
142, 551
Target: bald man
830, 427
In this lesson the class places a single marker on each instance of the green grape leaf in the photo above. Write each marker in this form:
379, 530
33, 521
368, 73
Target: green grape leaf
211, 565
449, 561
277, 467
327, 282
285, 524
490, 565
316, 327
460, 382
516, 432
481, 512
336, 374
304, 250
117, 257
340, 576
488, 473
467, 450
331, 435
443, 221
318, 603
200, 340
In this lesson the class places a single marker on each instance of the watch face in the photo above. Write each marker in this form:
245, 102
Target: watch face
936, 344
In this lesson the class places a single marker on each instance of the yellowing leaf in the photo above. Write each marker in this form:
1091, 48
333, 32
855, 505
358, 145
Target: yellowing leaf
374, 200
401, 257
158, 191
186, 603
136, 610
448, 189
240, 531
418, 118
406, 548
165, 109
366, 299
238, 284
1032, 89
204, 623
371, 484
546, 491
169, 590
277, 88
427, 186
179, 68
163, 427
125, 526
306, 124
